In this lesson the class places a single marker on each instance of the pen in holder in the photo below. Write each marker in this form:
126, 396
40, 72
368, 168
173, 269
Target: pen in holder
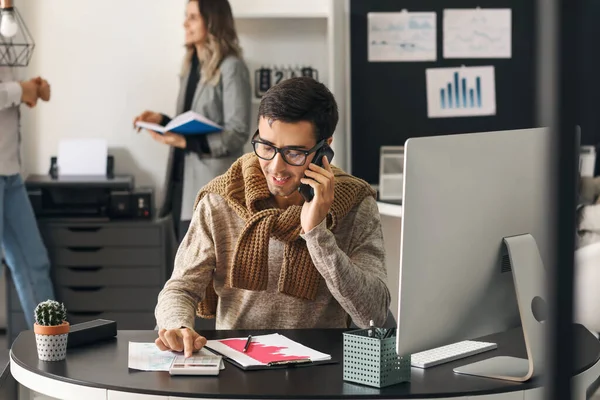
370, 358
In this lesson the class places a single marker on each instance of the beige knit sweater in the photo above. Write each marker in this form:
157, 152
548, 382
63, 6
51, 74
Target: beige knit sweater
350, 259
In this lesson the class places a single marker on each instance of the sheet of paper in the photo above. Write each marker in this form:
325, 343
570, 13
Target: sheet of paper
177, 122
478, 33
150, 126
190, 116
82, 157
264, 349
460, 92
147, 357
402, 36
587, 160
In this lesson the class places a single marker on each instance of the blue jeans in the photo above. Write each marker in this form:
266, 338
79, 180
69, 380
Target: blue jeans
23, 247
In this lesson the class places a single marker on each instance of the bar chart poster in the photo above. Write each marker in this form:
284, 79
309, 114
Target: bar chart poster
460, 92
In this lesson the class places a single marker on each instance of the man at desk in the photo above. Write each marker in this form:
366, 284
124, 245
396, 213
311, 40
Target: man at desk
258, 256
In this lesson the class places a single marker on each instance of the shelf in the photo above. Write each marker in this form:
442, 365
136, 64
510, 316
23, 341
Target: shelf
266, 15
278, 9
297, 32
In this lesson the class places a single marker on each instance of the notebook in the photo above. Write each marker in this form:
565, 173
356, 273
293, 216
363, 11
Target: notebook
267, 351
188, 123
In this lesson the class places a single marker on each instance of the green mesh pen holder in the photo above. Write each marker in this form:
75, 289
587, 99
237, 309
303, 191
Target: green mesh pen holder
372, 361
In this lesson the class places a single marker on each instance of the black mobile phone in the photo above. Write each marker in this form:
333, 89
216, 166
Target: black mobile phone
306, 190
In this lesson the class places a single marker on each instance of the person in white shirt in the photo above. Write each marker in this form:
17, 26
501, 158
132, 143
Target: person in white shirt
588, 211
587, 255
24, 250
588, 225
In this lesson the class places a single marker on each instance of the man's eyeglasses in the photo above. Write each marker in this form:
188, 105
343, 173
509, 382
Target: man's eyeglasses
292, 156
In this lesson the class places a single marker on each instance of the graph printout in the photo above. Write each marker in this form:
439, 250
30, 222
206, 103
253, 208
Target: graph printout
460, 92
402, 36
265, 349
478, 33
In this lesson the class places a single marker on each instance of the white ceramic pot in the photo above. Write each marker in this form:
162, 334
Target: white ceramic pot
51, 341
51, 347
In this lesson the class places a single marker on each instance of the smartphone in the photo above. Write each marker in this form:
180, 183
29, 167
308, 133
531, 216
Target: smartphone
306, 190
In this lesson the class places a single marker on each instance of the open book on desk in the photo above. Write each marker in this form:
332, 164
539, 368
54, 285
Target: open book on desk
188, 123
267, 352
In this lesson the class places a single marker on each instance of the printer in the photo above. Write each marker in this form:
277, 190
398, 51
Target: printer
105, 197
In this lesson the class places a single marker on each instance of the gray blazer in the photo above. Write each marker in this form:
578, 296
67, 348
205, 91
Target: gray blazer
228, 104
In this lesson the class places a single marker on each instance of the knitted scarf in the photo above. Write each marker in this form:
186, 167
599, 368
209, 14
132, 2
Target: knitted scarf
245, 190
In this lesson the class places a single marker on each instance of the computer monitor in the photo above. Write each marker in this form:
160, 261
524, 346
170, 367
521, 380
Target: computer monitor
464, 195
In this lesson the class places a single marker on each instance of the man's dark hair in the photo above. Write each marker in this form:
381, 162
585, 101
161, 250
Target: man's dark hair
301, 99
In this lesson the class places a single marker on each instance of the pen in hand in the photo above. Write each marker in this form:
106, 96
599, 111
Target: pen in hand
247, 345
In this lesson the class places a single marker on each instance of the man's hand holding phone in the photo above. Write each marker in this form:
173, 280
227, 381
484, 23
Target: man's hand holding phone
183, 339
322, 180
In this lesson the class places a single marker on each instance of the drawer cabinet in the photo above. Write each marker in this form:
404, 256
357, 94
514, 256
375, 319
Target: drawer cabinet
127, 321
91, 235
105, 256
115, 275
100, 298
111, 270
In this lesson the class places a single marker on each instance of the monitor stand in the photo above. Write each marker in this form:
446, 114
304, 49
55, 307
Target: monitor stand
529, 279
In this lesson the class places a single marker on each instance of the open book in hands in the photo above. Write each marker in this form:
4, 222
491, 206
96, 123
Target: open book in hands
188, 123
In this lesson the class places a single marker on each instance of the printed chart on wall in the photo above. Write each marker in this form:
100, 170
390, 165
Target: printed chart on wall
402, 36
478, 33
460, 92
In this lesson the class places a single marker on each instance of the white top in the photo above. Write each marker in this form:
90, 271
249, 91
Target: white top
589, 229
10, 139
587, 282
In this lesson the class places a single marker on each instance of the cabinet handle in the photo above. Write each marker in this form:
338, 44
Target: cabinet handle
85, 313
85, 288
84, 228
86, 269
89, 249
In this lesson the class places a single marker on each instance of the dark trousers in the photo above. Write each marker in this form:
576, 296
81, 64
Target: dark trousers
182, 230
181, 227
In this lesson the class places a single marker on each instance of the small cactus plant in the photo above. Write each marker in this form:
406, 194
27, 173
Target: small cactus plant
50, 313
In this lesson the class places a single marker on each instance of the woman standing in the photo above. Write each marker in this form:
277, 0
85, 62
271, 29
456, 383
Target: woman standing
214, 83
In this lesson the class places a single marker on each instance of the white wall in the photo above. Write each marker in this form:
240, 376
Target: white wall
281, 42
300, 33
106, 62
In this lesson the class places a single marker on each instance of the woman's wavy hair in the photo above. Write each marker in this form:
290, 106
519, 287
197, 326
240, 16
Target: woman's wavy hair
221, 39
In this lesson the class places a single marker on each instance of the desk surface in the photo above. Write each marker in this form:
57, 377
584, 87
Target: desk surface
104, 366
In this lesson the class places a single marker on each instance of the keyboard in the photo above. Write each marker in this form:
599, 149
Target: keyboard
451, 352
